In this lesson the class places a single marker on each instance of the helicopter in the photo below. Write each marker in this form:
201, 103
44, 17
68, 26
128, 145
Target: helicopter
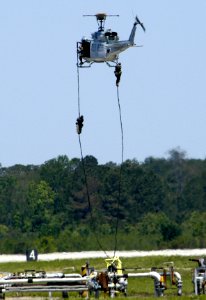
104, 46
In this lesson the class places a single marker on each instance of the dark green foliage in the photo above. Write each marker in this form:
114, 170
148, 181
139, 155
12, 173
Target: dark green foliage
53, 207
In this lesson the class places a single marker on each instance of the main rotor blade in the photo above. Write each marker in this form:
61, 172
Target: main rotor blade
104, 14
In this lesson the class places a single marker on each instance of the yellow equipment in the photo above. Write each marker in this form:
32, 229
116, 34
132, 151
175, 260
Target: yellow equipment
114, 265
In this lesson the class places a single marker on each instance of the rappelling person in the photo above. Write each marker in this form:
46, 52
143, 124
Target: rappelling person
118, 73
81, 54
79, 124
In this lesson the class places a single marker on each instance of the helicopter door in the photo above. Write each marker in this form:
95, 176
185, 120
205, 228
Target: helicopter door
98, 50
86, 48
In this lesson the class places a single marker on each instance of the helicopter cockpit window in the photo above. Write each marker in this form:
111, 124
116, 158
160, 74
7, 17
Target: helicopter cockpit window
111, 36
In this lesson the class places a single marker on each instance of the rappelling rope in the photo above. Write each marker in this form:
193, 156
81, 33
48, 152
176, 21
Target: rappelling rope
92, 224
121, 125
120, 172
78, 89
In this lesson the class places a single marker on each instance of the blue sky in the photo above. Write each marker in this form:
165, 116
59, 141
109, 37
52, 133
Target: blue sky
162, 90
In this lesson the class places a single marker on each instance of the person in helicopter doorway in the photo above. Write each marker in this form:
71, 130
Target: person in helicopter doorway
81, 53
118, 73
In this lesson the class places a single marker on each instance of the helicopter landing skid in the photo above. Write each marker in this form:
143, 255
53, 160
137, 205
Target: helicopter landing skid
81, 65
112, 66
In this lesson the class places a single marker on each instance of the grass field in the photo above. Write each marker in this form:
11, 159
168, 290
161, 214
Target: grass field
138, 288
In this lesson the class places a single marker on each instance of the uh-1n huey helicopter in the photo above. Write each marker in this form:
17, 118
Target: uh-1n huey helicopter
104, 46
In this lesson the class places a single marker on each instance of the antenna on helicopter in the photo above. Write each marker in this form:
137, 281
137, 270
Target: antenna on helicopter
101, 17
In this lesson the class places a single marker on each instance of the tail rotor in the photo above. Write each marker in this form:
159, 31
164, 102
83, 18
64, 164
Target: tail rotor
137, 21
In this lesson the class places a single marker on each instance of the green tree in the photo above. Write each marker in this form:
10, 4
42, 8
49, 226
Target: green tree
7, 205
40, 200
157, 230
194, 231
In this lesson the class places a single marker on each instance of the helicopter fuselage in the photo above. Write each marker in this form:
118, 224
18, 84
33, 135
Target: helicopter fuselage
103, 49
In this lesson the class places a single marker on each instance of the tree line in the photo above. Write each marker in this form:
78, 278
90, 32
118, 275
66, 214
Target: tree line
69, 205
